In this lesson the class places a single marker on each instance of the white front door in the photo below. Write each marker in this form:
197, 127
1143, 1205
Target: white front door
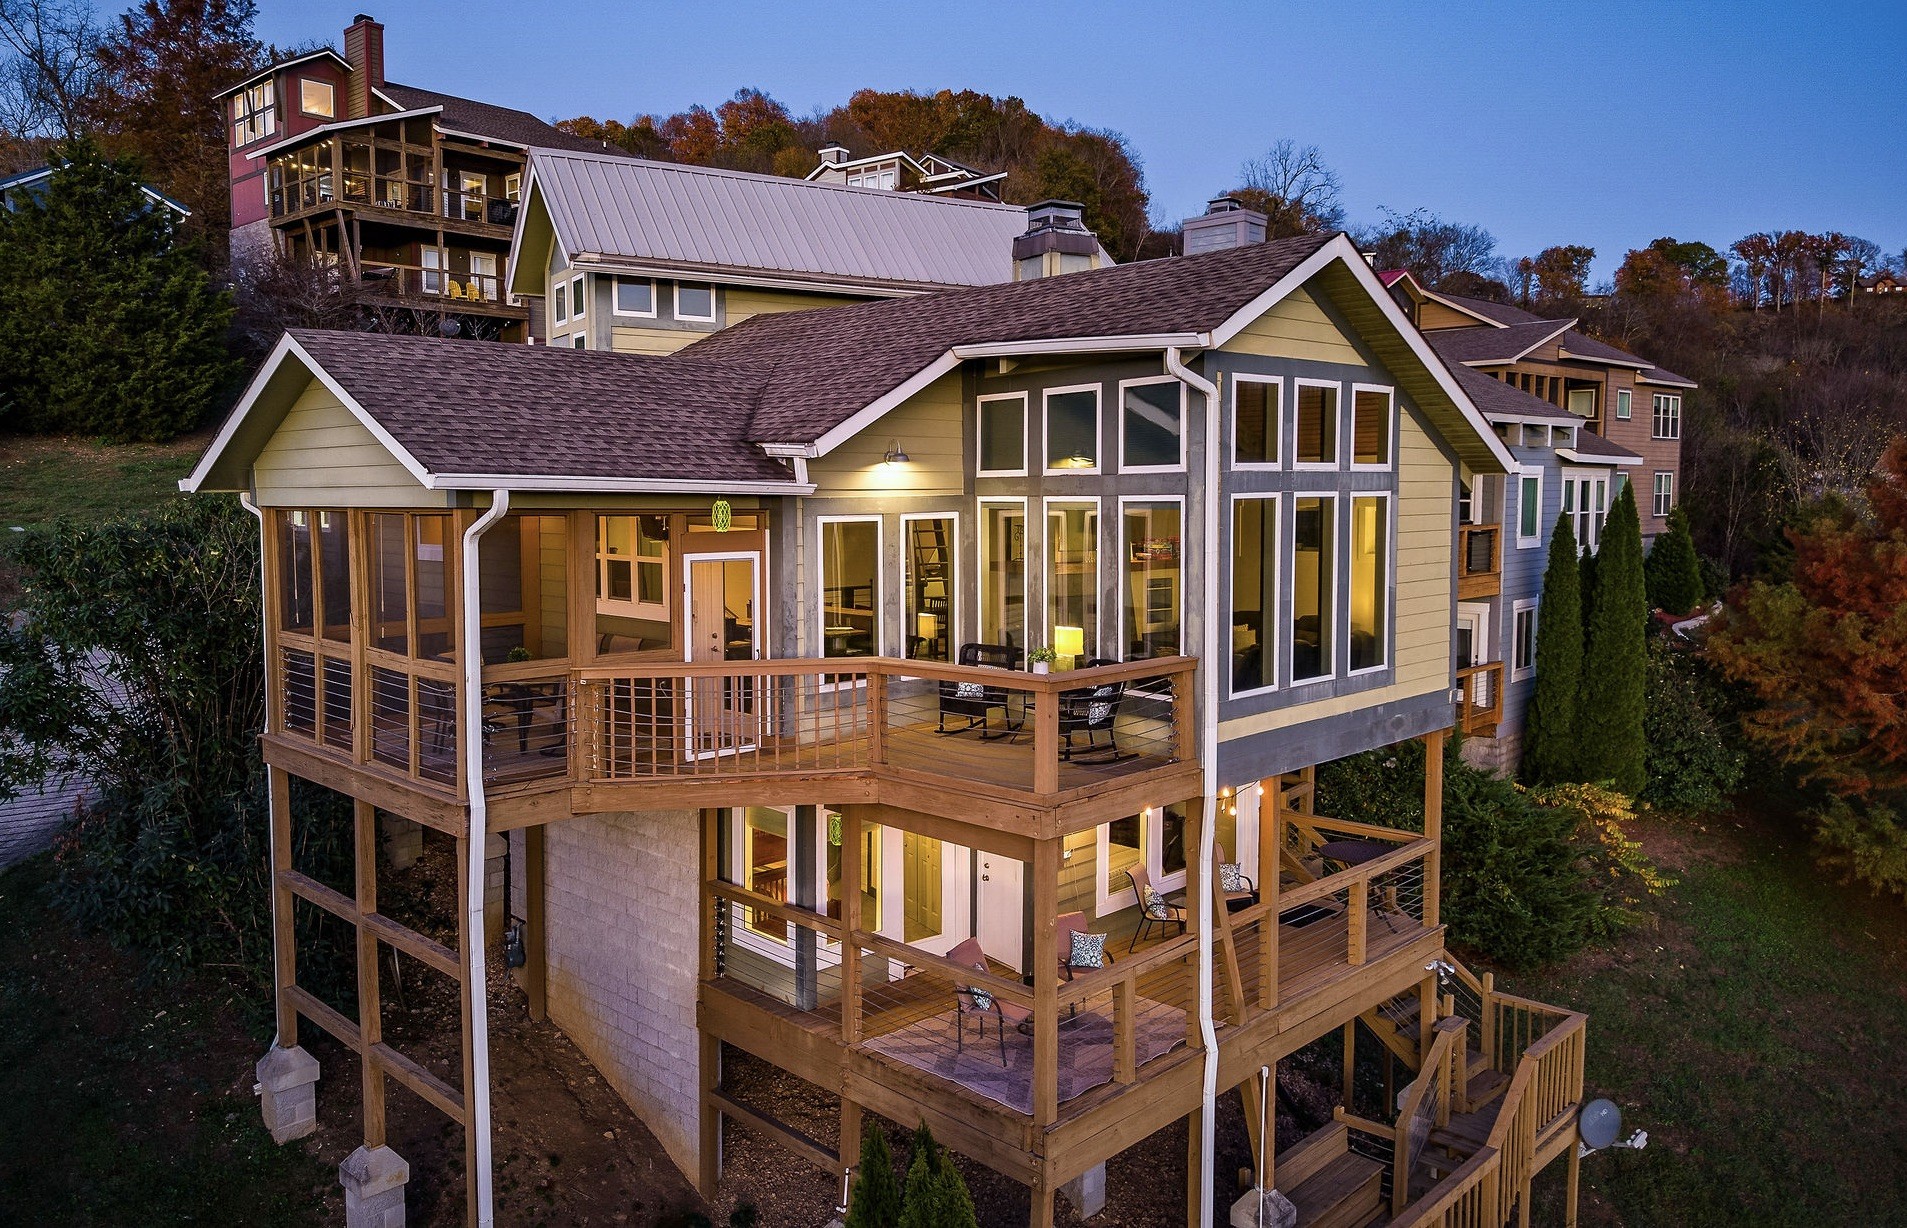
721, 594
998, 925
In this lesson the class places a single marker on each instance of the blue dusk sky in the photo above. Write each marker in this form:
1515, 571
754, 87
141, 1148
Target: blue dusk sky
1606, 123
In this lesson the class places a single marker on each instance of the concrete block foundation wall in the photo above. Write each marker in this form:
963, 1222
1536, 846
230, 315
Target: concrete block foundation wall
1502, 754
621, 912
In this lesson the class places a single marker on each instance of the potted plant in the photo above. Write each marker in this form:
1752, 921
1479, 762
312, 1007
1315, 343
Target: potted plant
1041, 659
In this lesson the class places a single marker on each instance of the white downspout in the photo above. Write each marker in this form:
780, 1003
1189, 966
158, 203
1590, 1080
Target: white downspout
271, 824
477, 1096
1208, 765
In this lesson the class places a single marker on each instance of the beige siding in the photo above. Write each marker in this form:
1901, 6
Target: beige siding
1296, 328
745, 301
627, 340
1435, 315
1424, 596
927, 428
322, 456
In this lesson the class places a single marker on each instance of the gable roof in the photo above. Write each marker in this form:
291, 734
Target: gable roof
1592, 448
634, 212
1495, 346
321, 53
487, 120
516, 415
1498, 315
1501, 402
32, 179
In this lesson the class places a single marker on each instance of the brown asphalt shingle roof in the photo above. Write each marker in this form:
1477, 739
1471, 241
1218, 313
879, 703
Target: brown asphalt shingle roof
1494, 397
1493, 345
487, 119
822, 366
1591, 444
1502, 313
480, 407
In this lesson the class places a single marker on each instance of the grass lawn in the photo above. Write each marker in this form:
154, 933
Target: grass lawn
1756, 1027
42, 479
118, 1101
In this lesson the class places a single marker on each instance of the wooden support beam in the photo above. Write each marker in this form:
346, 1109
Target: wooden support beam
284, 944
849, 1146
1195, 1160
536, 941
428, 1086
709, 1147
780, 1133
1358, 918
1045, 974
308, 1004
1350, 1064
1041, 1214
370, 1028
1433, 828
1271, 843
853, 875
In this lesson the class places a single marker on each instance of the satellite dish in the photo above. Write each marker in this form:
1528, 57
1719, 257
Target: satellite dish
1600, 1122
449, 327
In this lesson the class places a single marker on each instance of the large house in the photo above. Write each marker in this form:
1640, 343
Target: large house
409, 195
919, 695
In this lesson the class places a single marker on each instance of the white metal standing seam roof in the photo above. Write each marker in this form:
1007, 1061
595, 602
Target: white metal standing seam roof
634, 210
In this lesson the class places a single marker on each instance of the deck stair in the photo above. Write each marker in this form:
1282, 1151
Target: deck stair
1330, 1185
1395, 1024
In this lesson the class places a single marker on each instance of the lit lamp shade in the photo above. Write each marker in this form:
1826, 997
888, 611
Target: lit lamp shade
927, 626
1069, 642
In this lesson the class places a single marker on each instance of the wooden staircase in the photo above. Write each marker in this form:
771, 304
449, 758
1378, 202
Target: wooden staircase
1331, 1185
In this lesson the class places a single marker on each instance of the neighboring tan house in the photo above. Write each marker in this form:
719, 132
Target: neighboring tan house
1629, 401
647, 257
896, 171
726, 652
408, 194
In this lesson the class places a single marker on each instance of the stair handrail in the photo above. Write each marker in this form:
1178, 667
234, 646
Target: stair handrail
1466, 1197
1418, 1107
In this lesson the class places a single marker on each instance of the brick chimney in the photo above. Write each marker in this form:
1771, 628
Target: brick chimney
1056, 241
364, 50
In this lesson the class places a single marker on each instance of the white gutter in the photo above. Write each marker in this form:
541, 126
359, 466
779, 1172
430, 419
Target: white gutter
1079, 345
477, 1095
627, 486
271, 826
1208, 765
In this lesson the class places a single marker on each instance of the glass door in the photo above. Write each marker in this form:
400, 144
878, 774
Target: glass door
724, 708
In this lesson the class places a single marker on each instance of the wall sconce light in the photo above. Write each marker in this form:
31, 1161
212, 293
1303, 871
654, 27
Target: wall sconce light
895, 455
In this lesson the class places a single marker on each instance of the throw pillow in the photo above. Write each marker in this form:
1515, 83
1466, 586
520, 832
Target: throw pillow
981, 999
970, 690
1231, 876
1089, 951
1156, 907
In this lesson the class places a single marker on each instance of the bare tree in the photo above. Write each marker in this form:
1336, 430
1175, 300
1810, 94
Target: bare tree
1294, 188
50, 66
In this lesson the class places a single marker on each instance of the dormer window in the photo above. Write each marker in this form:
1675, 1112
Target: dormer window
317, 98
254, 114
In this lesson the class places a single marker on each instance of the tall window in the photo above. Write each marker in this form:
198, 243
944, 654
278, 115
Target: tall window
254, 114
1002, 435
1072, 430
1316, 444
632, 566
559, 303
578, 297
1523, 641
1152, 425
314, 604
1072, 579
1003, 574
1624, 400
1256, 408
1254, 593
1150, 584
1313, 587
929, 584
1370, 581
850, 588
1666, 421
1586, 500
1528, 488
1664, 494
1371, 426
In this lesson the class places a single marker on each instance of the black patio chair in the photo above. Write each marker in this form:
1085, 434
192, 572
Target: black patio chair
974, 700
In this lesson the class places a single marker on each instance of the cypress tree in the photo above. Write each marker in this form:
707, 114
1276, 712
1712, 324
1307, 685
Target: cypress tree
1673, 572
1586, 586
935, 1197
1609, 739
876, 1199
1549, 739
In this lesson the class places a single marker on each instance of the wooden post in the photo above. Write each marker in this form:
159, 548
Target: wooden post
536, 979
359, 561
1046, 741
709, 1166
1350, 1065
1271, 844
1426, 1015
1125, 1058
370, 1030
876, 716
711, 870
851, 888
1358, 919
1184, 724
1573, 1189
1195, 884
1225, 952
1194, 1167
284, 940
1042, 1212
849, 1146
1433, 828
1487, 1024
1045, 969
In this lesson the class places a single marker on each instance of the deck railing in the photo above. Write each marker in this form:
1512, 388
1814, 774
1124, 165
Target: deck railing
1480, 697
420, 281
1479, 561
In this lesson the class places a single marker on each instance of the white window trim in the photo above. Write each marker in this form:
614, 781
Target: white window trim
1665, 407
687, 318
1514, 506
1099, 430
1269, 640
1277, 384
1385, 632
1177, 466
330, 91
579, 341
953, 580
1289, 545
1584, 483
579, 298
559, 302
981, 504
1390, 429
1098, 629
513, 186
821, 524
1521, 673
1625, 405
615, 298
781, 950
979, 434
1337, 426
1656, 494
1119, 616
1152, 855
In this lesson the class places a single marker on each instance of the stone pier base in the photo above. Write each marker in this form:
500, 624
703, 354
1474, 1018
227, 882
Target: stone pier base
373, 1179
1087, 1192
288, 1093
1278, 1211
403, 840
